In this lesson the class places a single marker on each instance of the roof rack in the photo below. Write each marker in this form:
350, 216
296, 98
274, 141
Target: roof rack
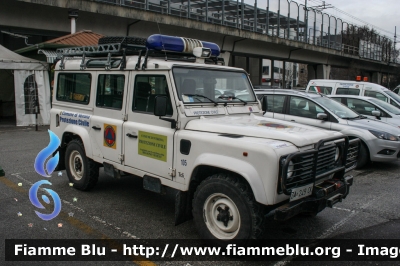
124, 49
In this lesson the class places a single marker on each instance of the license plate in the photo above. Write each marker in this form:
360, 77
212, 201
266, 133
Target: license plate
301, 192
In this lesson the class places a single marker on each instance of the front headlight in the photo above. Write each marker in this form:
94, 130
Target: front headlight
290, 171
384, 135
337, 154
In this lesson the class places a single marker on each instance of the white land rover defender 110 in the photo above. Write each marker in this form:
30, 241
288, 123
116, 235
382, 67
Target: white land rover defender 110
167, 110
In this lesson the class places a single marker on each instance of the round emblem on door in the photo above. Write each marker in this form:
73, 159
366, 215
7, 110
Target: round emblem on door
109, 136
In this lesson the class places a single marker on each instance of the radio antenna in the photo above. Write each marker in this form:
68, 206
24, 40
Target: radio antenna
162, 43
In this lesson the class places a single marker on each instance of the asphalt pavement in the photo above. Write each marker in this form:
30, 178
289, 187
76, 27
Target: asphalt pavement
122, 209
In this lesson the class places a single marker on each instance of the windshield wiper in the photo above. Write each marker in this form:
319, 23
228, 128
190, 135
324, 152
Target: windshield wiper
199, 95
231, 97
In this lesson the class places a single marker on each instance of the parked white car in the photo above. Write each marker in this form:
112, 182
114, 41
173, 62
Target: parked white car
380, 142
371, 107
348, 87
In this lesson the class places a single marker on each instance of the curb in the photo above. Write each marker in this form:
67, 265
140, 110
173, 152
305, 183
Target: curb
2, 172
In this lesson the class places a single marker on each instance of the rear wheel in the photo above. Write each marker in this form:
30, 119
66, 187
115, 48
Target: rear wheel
224, 208
82, 171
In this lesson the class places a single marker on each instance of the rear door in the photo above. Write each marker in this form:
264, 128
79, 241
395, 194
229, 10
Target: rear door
108, 114
275, 105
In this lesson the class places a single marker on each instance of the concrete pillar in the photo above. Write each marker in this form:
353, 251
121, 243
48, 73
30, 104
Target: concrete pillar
323, 71
284, 74
255, 70
226, 56
311, 72
240, 61
376, 78
272, 72
318, 71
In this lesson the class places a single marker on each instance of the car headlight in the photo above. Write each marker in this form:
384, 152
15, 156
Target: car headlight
384, 135
337, 154
290, 171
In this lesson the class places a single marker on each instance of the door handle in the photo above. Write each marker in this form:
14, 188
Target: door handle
96, 128
131, 135
293, 120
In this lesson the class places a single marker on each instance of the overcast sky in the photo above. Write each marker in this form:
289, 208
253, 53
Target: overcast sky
380, 13
384, 14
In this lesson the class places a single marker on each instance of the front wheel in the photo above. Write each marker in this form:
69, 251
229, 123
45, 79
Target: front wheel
363, 156
82, 171
224, 208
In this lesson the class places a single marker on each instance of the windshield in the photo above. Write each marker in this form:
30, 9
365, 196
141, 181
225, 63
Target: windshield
393, 95
210, 85
386, 106
335, 107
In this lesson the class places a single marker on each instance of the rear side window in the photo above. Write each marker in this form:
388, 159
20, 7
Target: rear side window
274, 103
110, 91
375, 94
394, 103
347, 91
74, 87
320, 89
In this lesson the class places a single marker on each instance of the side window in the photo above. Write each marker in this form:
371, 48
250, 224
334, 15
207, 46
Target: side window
347, 91
375, 94
147, 87
394, 103
110, 91
397, 91
320, 89
361, 107
275, 103
304, 108
338, 99
74, 87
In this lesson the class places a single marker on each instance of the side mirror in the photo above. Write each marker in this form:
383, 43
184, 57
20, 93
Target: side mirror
376, 113
160, 106
322, 116
264, 104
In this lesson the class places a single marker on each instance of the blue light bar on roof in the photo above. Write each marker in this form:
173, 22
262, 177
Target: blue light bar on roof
179, 44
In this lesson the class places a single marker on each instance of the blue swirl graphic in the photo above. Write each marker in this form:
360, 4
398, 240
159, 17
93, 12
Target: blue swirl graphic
45, 153
35, 201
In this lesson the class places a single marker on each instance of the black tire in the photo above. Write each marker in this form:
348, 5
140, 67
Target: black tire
121, 39
233, 188
363, 156
82, 171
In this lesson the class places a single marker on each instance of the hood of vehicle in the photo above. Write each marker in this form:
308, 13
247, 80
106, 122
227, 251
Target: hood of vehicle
262, 127
374, 125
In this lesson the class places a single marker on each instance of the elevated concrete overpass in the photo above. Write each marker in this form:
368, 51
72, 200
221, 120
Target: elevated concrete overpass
241, 46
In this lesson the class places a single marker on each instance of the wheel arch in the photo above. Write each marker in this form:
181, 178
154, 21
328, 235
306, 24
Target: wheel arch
209, 164
69, 134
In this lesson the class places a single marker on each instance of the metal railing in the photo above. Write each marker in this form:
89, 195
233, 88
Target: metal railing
280, 18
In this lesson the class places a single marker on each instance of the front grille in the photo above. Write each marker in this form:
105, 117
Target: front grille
326, 159
306, 167
352, 154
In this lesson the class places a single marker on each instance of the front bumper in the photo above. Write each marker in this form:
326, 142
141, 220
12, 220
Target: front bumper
324, 195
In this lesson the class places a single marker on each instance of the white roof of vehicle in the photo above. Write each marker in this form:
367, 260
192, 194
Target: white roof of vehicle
131, 61
372, 85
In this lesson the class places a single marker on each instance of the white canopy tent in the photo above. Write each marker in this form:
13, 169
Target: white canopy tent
31, 87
